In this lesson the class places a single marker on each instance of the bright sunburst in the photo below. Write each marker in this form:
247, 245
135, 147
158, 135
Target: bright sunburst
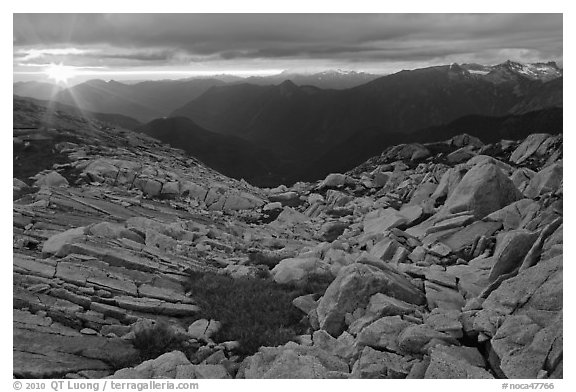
60, 73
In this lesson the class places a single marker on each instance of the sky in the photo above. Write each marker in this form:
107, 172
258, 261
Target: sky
77, 47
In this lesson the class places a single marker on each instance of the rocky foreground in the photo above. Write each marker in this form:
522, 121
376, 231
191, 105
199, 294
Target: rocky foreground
443, 260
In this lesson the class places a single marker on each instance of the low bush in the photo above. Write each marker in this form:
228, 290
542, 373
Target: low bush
255, 312
155, 339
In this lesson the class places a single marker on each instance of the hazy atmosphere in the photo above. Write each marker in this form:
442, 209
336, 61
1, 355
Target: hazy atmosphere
157, 46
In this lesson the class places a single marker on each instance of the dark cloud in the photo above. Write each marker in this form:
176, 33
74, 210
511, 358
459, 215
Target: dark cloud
141, 39
147, 55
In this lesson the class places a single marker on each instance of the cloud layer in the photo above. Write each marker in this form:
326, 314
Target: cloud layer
385, 42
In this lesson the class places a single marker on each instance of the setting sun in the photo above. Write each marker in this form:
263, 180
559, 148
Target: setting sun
60, 73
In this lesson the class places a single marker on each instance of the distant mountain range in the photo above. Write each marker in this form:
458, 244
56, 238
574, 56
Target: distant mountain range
333, 79
513, 70
303, 120
147, 100
277, 130
143, 101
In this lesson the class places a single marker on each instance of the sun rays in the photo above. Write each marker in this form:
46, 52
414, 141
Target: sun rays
60, 73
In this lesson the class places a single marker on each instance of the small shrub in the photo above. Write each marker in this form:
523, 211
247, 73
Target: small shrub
255, 312
155, 339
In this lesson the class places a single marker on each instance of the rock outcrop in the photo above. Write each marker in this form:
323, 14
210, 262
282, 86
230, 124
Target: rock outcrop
437, 260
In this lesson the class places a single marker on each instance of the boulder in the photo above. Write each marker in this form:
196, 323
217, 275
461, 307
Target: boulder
538, 288
289, 216
385, 249
419, 339
524, 347
464, 140
553, 245
335, 180
192, 190
381, 305
354, 286
511, 247
44, 348
18, 187
439, 296
343, 347
486, 159
330, 231
521, 178
441, 277
383, 333
337, 258
412, 213
149, 187
291, 361
419, 154
413, 151
383, 219
101, 169
439, 249
450, 179
461, 155
315, 198
381, 179
446, 321
51, 179
305, 303
484, 189
443, 365
450, 222
299, 270
535, 292
203, 329
269, 258
241, 201
513, 216
284, 197
378, 364
469, 354
546, 180
160, 241
472, 278
467, 236
170, 190
528, 147
202, 371
143, 225
384, 305
55, 245
272, 206
422, 194
243, 271
164, 366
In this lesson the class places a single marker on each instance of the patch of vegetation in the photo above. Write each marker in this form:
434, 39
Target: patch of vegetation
156, 339
255, 312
